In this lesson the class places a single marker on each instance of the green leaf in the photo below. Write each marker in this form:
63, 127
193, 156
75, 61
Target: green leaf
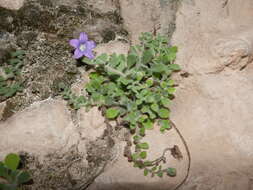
125, 81
135, 156
147, 163
139, 75
142, 131
23, 177
155, 107
171, 82
142, 118
159, 68
12, 161
143, 145
174, 67
143, 155
133, 126
3, 170
136, 138
165, 102
131, 60
17, 53
165, 125
148, 124
132, 117
147, 56
101, 59
172, 172
145, 172
173, 49
164, 113
154, 168
171, 90
163, 84
150, 82
160, 174
14, 61
150, 98
112, 113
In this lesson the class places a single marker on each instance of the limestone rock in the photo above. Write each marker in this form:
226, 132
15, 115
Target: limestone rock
140, 16
41, 129
123, 176
112, 47
13, 4
104, 6
213, 107
234, 51
91, 124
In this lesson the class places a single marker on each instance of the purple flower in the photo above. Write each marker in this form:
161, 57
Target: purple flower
83, 47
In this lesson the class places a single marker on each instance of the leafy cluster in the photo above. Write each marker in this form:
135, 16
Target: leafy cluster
10, 77
136, 91
12, 178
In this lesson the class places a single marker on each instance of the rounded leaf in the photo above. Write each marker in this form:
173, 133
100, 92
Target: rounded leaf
143, 155
112, 113
172, 172
23, 177
145, 172
12, 161
164, 113
143, 145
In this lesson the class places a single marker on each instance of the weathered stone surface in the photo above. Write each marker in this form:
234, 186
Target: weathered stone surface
112, 47
156, 16
140, 16
91, 124
104, 6
122, 175
51, 145
213, 107
41, 129
13, 4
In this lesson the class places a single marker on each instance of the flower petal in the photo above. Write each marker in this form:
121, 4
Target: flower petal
89, 54
78, 54
90, 44
83, 37
74, 43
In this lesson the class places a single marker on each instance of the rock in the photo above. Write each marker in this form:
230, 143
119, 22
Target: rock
136, 21
104, 6
2, 108
213, 107
41, 129
112, 47
117, 175
235, 51
51, 145
13, 5
91, 124
156, 16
